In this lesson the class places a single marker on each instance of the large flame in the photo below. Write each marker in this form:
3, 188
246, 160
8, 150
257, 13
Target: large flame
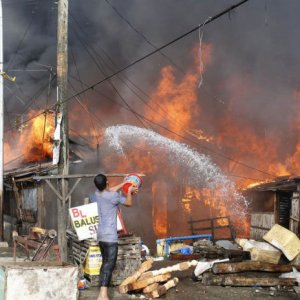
32, 143
177, 103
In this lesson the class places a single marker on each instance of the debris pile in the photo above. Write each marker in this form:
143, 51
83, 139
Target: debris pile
273, 263
155, 283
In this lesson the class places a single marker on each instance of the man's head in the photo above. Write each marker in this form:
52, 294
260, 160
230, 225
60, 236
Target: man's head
100, 182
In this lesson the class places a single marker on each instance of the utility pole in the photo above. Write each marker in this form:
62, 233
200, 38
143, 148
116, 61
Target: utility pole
1, 126
62, 111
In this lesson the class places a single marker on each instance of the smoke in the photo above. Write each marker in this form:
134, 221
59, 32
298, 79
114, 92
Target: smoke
251, 82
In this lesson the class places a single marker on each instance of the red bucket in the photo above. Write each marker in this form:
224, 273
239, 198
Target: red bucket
133, 179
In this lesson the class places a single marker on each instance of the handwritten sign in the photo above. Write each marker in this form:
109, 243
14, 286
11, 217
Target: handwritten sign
85, 221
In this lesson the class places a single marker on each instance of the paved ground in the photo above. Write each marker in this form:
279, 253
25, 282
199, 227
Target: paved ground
190, 290
186, 289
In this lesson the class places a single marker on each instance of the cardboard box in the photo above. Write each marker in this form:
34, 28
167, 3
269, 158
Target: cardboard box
285, 240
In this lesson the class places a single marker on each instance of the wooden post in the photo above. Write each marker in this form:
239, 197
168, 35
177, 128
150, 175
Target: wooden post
40, 205
275, 208
62, 109
212, 229
192, 225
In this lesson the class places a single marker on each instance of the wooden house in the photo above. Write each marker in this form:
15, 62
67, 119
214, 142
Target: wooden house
275, 202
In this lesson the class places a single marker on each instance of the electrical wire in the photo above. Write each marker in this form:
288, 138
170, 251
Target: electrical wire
197, 143
130, 81
78, 100
145, 57
109, 81
160, 48
91, 87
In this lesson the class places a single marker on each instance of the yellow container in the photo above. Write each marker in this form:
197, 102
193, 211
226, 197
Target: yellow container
93, 261
161, 247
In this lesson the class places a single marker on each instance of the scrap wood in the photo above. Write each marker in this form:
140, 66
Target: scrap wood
150, 288
138, 285
161, 290
231, 280
222, 268
145, 266
178, 267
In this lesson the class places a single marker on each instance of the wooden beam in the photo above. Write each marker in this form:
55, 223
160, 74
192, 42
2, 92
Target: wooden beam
146, 265
81, 176
54, 190
161, 290
138, 285
150, 288
221, 268
178, 267
232, 280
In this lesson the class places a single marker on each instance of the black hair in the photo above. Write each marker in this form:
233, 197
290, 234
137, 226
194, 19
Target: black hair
100, 182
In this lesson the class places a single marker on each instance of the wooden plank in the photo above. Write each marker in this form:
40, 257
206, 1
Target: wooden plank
295, 213
260, 224
221, 268
143, 283
232, 280
178, 267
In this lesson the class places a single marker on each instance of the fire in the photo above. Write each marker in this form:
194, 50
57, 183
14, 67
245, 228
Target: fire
160, 209
33, 143
176, 100
36, 138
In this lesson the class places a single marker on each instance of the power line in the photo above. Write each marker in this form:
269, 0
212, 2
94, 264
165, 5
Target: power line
91, 87
142, 35
162, 47
128, 79
196, 143
148, 55
84, 107
109, 81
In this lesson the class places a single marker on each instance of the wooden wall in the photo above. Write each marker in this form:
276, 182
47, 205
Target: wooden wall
261, 223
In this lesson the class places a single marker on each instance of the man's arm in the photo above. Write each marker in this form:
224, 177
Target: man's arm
116, 187
133, 189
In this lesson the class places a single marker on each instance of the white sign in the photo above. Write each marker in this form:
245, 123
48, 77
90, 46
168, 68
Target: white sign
85, 221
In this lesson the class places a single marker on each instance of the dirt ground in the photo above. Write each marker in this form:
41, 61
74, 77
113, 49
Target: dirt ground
193, 290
